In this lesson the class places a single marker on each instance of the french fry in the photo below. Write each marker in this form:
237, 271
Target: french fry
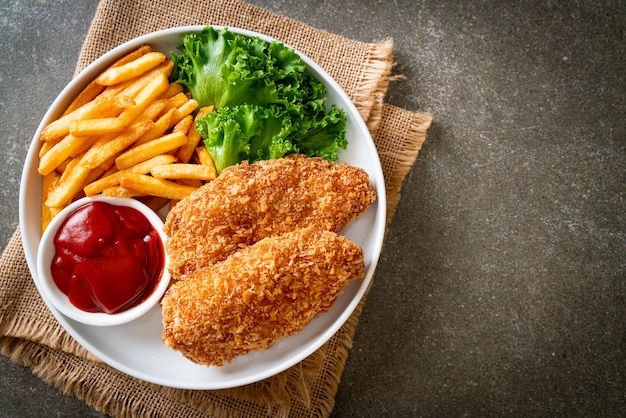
59, 152
108, 165
70, 184
193, 137
206, 159
45, 147
94, 175
183, 171
131, 56
153, 110
158, 129
71, 163
178, 99
90, 92
203, 111
93, 89
130, 69
87, 142
63, 166
183, 125
191, 182
48, 183
149, 185
133, 86
101, 151
119, 191
175, 102
146, 166
150, 149
172, 90
99, 126
96, 108
183, 110
108, 172
156, 203
113, 179
147, 95
54, 212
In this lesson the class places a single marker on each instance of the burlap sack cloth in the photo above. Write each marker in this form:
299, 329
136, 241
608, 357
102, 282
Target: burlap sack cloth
31, 336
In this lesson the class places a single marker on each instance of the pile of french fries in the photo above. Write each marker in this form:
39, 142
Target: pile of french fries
129, 133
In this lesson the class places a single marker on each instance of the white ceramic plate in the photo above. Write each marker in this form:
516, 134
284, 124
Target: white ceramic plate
135, 348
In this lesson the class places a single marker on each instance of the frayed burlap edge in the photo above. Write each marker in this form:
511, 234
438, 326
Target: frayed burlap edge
38, 324
398, 140
307, 389
300, 391
116, 394
375, 79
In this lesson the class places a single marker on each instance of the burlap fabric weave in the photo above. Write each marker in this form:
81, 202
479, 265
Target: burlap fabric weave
30, 335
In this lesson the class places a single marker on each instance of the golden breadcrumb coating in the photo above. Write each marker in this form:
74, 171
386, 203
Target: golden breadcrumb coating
259, 294
248, 202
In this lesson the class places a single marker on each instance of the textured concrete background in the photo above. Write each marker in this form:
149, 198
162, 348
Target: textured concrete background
501, 289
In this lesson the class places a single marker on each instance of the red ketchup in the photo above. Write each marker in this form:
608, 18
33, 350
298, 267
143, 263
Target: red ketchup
108, 258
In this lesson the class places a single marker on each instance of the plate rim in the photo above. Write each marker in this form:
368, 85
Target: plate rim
81, 79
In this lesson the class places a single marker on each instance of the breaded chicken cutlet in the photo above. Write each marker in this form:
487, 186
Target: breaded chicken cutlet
258, 295
249, 202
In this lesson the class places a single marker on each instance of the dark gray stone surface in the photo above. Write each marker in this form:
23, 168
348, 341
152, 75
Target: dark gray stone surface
501, 288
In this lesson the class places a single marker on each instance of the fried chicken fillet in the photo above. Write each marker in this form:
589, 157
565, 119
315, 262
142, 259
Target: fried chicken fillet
249, 202
263, 292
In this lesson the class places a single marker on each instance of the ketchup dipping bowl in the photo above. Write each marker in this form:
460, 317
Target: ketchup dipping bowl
115, 286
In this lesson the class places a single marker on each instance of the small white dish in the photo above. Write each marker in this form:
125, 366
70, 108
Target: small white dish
46, 253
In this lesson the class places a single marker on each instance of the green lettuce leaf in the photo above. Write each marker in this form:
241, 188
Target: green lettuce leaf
266, 105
